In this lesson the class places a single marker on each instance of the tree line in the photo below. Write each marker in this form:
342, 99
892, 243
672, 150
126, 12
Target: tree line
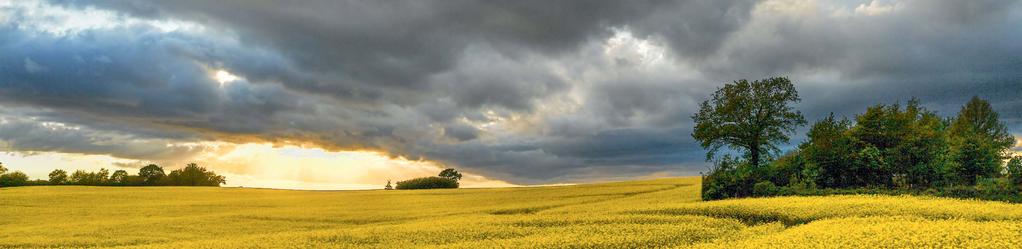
889, 148
448, 178
150, 175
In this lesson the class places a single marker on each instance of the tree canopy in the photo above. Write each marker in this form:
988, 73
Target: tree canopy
450, 173
890, 147
58, 176
150, 175
193, 175
448, 178
748, 116
981, 140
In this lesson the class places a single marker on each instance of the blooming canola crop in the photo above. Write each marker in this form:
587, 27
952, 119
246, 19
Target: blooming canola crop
663, 213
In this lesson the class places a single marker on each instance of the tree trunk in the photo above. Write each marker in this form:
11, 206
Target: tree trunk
754, 156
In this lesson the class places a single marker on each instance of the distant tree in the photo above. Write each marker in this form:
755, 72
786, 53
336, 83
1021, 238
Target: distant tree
388, 187
872, 169
193, 175
748, 116
1014, 168
58, 177
450, 173
81, 177
119, 177
827, 150
887, 146
2, 169
151, 174
923, 157
16, 178
102, 177
980, 140
133, 180
428, 183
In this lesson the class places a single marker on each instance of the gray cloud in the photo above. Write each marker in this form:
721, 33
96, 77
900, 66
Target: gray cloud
526, 91
21, 131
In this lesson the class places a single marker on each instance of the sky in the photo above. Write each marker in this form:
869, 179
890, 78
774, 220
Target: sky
327, 94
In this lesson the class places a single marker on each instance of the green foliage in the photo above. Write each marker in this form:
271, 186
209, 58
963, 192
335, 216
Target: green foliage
748, 116
887, 147
102, 177
2, 169
764, 188
81, 177
193, 175
119, 177
977, 118
450, 174
190, 175
1014, 168
790, 168
871, 168
448, 178
428, 183
828, 150
151, 174
980, 140
730, 178
16, 178
58, 177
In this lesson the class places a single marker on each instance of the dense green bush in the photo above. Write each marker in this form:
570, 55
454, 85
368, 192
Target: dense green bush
1014, 168
16, 178
764, 188
727, 180
428, 183
193, 175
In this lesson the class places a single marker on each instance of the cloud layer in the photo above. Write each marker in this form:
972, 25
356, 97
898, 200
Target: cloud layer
523, 91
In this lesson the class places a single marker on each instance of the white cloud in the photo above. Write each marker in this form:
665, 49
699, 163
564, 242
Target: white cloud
34, 68
59, 20
874, 8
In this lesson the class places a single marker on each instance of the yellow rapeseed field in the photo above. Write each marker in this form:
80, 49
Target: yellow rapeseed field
665, 213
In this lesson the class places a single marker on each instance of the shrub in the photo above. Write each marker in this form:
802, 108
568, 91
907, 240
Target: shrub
16, 178
427, 183
764, 188
193, 175
1014, 168
729, 178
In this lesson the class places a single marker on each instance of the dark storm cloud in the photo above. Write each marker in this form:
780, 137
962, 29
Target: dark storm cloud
940, 51
131, 73
461, 132
363, 47
630, 152
526, 91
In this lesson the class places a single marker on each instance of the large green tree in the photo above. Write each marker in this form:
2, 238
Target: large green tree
16, 178
81, 177
980, 139
1014, 168
828, 150
194, 175
450, 174
58, 176
752, 117
151, 174
887, 146
119, 177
